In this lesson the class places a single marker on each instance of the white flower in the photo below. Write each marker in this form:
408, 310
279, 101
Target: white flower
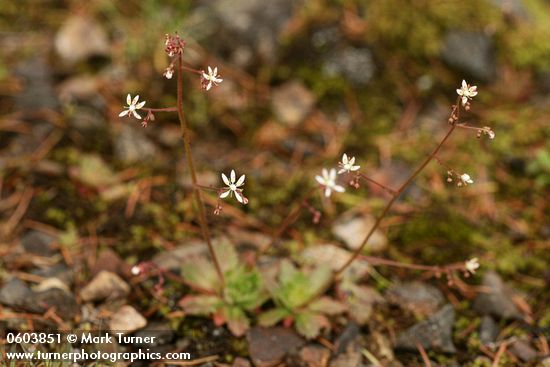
472, 265
328, 180
347, 165
466, 92
212, 77
133, 106
136, 270
233, 187
169, 72
465, 179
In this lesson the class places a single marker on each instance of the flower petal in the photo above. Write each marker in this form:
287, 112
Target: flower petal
338, 188
225, 194
345, 158
123, 113
240, 182
328, 191
225, 180
135, 100
320, 179
239, 197
128, 99
136, 115
233, 178
140, 105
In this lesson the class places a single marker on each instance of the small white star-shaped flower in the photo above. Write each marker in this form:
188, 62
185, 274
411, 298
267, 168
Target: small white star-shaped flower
466, 179
347, 164
133, 106
212, 77
472, 265
328, 181
233, 187
466, 92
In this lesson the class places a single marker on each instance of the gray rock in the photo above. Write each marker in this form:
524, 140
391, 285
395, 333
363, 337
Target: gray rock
515, 8
38, 243
292, 102
38, 92
80, 38
488, 330
126, 319
59, 271
498, 301
105, 285
470, 52
270, 346
347, 347
435, 333
356, 65
51, 283
64, 303
348, 338
132, 145
15, 293
161, 331
352, 229
524, 351
311, 355
418, 297
229, 23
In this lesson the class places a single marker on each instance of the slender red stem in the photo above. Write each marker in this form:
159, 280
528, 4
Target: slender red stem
367, 178
400, 190
289, 219
167, 109
196, 191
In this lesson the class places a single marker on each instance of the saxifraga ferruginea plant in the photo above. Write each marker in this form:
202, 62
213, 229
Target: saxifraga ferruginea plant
348, 171
174, 49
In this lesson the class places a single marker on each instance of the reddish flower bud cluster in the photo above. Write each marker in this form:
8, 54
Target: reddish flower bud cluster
174, 45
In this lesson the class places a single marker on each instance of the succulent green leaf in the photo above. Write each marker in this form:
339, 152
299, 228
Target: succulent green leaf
287, 272
320, 279
326, 305
309, 324
272, 317
244, 288
201, 274
237, 321
225, 251
297, 289
200, 305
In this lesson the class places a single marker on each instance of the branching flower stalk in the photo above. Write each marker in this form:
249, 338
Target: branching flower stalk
454, 122
196, 191
174, 48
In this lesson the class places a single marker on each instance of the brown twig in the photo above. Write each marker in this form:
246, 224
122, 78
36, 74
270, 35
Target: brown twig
424, 355
19, 212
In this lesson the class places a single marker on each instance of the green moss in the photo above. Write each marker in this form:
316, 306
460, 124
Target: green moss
436, 230
415, 28
527, 43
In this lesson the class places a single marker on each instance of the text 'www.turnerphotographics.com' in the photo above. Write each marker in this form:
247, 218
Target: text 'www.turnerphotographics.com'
73, 347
